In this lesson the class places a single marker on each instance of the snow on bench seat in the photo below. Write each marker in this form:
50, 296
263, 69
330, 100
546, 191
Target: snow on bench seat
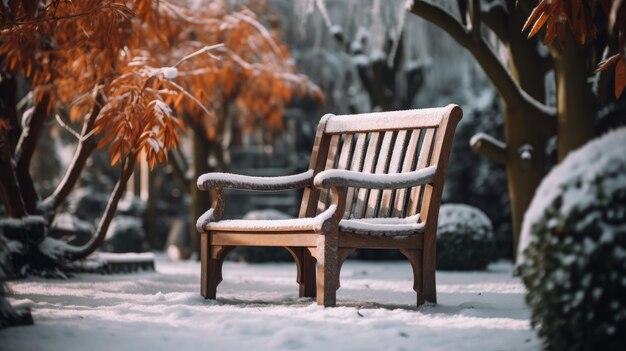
273, 225
392, 227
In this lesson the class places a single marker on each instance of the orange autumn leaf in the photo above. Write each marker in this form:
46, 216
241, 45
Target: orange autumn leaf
145, 61
579, 18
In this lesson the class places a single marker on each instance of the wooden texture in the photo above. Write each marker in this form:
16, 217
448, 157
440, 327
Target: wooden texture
330, 164
423, 161
385, 121
395, 164
356, 157
368, 167
384, 154
357, 164
399, 206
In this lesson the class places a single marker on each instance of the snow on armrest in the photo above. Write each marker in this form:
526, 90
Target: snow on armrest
344, 178
205, 218
236, 181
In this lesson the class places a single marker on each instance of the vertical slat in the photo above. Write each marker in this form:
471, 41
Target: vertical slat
397, 153
357, 163
422, 162
381, 167
407, 165
330, 163
344, 155
318, 161
368, 167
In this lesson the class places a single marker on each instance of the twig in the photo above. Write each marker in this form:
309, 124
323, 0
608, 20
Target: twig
54, 18
206, 49
182, 90
261, 29
66, 127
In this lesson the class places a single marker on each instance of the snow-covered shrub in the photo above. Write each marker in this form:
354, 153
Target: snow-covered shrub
465, 239
87, 204
80, 231
6, 265
125, 234
473, 179
131, 205
9, 315
573, 249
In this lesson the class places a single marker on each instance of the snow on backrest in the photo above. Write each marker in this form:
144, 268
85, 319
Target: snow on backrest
385, 121
383, 142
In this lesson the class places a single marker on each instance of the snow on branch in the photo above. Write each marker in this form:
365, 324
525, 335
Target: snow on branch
489, 147
266, 35
491, 64
66, 127
206, 49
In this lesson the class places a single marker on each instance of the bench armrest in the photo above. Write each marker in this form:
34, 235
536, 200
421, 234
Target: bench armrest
343, 178
208, 181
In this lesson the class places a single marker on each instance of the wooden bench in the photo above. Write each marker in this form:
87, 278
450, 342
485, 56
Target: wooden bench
375, 181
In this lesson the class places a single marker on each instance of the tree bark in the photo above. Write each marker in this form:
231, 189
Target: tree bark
9, 187
576, 110
525, 165
24, 153
152, 211
526, 133
8, 103
200, 201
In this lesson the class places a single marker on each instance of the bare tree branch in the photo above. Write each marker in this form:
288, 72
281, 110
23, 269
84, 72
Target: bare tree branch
127, 168
475, 17
495, 70
489, 147
85, 147
495, 16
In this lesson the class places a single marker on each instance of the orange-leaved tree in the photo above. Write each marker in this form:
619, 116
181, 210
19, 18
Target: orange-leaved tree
128, 71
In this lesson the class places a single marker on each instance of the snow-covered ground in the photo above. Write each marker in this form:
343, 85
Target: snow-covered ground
258, 308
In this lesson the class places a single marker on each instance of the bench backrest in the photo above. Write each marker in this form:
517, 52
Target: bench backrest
383, 142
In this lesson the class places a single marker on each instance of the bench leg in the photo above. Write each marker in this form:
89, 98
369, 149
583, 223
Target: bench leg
327, 270
308, 287
430, 288
305, 264
415, 258
211, 260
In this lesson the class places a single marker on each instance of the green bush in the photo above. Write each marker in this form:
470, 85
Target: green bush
574, 250
465, 239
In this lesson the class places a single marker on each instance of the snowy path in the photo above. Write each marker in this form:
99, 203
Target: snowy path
258, 308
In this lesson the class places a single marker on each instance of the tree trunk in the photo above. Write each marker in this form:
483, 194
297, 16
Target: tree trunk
525, 163
200, 201
9, 187
525, 133
8, 103
152, 212
24, 153
576, 111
